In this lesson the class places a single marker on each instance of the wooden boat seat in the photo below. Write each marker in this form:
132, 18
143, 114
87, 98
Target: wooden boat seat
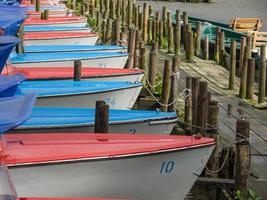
259, 39
246, 24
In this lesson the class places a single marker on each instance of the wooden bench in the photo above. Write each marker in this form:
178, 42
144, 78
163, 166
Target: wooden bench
259, 39
246, 24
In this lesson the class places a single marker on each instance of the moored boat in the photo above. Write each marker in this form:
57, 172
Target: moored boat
82, 165
106, 165
59, 28
60, 13
60, 38
66, 59
93, 74
81, 94
55, 22
73, 48
79, 120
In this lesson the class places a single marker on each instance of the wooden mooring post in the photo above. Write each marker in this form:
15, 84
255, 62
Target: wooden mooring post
202, 108
166, 83
153, 65
232, 70
176, 61
243, 80
37, 5
206, 48
188, 106
262, 73
194, 93
198, 39
241, 54
77, 70
250, 78
242, 157
101, 117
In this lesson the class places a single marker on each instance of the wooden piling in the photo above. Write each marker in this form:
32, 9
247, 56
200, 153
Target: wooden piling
206, 48
176, 61
166, 83
161, 34
202, 108
149, 30
262, 75
242, 157
250, 78
157, 26
190, 47
108, 39
123, 12
177, 40
154, 30
217, 46
101, 117
232, 70
77, 70
198, 39
37, 5
141, 26
241, 54
221, 48
46, 14
117, 31
212, 119
185, 22
188, 106
243, 80
130, 13
20, 45
194, 92
131, 48
153, 65
170, 34
112, 13
145, 21
143, 59
164, 20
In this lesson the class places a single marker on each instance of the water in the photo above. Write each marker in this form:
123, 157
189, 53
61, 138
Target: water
221, 10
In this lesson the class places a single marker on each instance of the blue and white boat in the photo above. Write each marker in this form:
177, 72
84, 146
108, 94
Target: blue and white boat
51, 28
66, 59
73, 48
81, 94
81, 120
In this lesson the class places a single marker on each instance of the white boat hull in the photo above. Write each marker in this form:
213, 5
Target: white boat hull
164, 175
163, 126
91, 40
108, 62
117, 99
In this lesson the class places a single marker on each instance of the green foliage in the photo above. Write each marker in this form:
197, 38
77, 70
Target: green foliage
165, 43
158, 89
252, 195
92, 24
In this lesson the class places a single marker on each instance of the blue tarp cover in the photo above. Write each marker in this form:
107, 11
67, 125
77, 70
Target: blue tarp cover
7, 43
61, 56
8, 84
15, 110
53, 117
66, 48
70, 87
17, 10
11, 24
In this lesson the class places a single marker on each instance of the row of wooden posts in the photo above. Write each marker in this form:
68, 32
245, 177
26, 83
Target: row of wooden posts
201, 112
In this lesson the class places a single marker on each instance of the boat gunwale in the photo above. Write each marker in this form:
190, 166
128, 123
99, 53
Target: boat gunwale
95, 92
92, 58
164, 119
113, 157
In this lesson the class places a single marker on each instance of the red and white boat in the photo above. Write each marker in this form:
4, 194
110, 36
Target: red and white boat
106, 165
56, 22
51, 13
95, 74
60, 38
99, 165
